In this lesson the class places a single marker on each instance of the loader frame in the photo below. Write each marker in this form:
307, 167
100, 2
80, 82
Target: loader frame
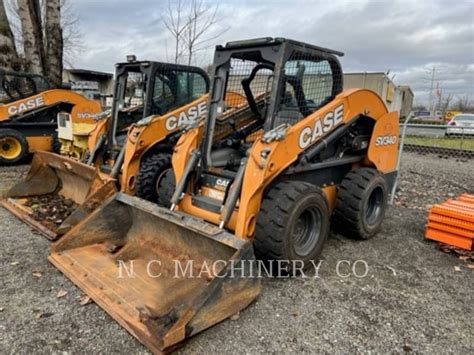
276, 51
103, 138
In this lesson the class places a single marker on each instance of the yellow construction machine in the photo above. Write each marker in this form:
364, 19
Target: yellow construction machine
263, 181
128, 150
29, 106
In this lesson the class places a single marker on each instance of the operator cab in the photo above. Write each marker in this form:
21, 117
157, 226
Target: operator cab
311, 77
283, 81
145, 89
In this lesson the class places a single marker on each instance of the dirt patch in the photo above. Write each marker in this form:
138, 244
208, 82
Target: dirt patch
51, 210
428, 179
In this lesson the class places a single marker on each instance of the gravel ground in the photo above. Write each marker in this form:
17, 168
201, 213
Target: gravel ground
414, 297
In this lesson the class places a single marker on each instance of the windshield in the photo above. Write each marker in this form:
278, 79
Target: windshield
307, 85
130, 106
144, 90
253, 76
246, 86
173, 89
464, 118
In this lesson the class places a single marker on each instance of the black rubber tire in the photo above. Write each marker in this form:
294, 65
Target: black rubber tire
361, 203
155, 180
282, 208
23, 145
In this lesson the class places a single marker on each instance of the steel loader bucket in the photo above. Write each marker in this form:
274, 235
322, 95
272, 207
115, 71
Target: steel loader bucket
164, 276
57, 193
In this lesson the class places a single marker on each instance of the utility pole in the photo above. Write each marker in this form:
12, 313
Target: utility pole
433, 71
439, 93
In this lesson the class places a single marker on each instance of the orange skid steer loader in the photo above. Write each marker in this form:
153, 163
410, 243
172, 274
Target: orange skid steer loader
265, 179
128, 150
29, 106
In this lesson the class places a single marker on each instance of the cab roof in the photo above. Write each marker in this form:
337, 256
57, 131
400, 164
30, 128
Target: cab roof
271, 41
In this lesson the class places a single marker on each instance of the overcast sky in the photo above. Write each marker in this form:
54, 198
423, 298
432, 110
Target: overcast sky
405, 37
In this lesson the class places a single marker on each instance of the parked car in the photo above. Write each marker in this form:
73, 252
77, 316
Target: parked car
433, 119
461, 124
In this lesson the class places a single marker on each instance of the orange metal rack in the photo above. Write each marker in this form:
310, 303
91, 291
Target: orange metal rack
452, 222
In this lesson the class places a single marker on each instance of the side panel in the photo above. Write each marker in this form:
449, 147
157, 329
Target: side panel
86, 112
48, 98
39, 143
383, 147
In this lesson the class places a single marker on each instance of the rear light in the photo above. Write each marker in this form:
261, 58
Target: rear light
452, 123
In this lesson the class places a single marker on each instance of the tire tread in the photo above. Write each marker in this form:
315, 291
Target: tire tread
349, 203
276, 207
146, 178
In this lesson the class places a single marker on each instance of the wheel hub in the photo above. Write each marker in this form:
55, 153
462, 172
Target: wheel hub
159, 180
307, 231
374, 206
10, 148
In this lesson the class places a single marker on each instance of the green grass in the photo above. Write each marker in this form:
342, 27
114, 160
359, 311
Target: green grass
458, 143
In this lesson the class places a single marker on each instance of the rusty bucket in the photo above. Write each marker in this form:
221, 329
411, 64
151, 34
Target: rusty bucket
164, 276
57, 193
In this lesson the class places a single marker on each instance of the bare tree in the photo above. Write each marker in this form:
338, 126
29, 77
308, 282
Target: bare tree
71, 33
8, 53
176, 25
32, 33
191, 24
445, 101
11, 7
463, 103
53, 66
60, 33
201, 18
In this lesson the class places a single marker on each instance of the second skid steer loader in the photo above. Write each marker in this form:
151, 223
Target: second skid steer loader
128, 150
29, 106
269, 177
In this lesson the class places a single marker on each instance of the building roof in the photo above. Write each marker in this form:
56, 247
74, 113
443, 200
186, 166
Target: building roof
406, 87
89, 72
366, 73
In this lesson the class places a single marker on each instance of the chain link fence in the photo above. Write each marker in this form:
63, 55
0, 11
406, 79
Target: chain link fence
444, 140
